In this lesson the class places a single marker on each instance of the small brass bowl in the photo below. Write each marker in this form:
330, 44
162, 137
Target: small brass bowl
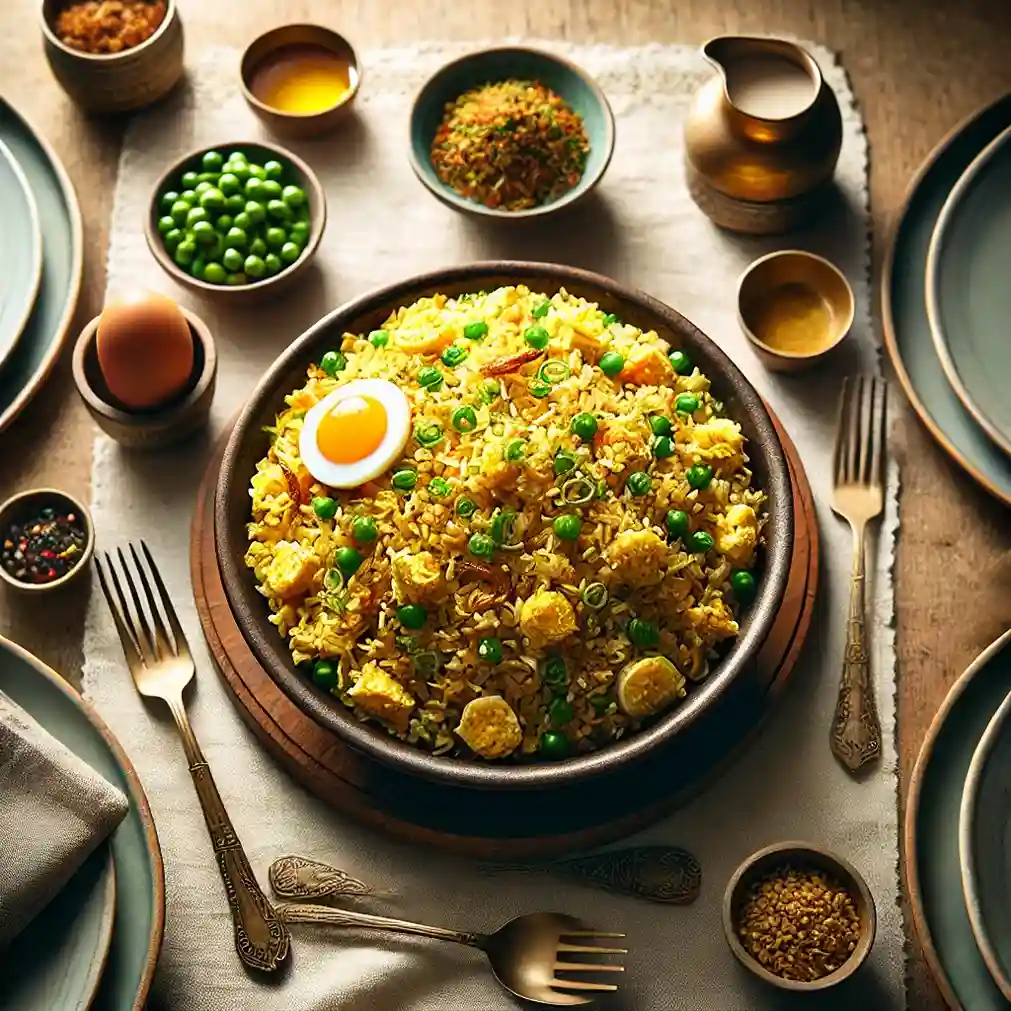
23, 507
295, 124
801, 856
162, 426
802, 296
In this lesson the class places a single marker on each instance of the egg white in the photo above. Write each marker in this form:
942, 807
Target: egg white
398, 431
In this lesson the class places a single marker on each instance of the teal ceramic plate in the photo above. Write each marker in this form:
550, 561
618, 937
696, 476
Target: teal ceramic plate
491, 65
36, 352
933, 875
20, 252
968, 294
140, 879
984, 846
904, 304
57, 960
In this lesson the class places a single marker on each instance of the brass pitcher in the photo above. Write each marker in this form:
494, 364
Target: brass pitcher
762, 137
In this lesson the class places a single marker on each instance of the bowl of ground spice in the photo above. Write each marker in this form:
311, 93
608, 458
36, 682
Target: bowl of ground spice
799, 917
113, 56
511, 132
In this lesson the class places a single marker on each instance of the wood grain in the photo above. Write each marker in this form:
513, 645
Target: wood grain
917, 68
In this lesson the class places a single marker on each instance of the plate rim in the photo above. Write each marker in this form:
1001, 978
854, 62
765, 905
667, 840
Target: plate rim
967, 834
138, 796
38, 378
35, 282
935, 253
885, 303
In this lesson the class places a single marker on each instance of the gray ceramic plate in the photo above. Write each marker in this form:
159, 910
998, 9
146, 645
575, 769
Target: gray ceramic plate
36, 352
904, 305
968, 294
984, 846
140, 891
933, 874
20, 251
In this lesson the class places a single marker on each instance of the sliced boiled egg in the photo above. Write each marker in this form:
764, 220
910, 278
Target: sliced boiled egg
353, 434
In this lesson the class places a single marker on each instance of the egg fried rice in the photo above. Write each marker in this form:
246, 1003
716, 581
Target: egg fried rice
560, 569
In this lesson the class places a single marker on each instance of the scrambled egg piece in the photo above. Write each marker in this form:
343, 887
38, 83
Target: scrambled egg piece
489, 727
416, 578
547, 617
424, 342
268, 483
292, 570
646, 686
647, 365
591, 343
712, 620
637, 557
737, 534
497, 472
718, 441
383, 697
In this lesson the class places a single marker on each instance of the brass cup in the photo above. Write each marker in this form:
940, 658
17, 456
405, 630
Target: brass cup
779, 275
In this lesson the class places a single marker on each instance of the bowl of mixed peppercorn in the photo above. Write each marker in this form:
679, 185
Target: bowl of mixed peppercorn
46, 540
799, 917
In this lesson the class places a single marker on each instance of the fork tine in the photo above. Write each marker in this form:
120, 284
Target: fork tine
879, 433
160, 632
587, 967
182, 647
126, 636
867, 429
590, 933
853, 430
839, 452
137, 622
145, 633
581, 984
591, 949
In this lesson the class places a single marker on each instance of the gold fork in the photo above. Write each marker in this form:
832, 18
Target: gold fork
161, 669
858, 497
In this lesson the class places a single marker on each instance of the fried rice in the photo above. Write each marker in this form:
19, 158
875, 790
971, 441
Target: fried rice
664, 511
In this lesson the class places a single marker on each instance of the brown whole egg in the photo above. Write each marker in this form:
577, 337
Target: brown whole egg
145, 350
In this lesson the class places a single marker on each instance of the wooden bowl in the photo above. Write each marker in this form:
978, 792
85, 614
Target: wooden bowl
810, 857
22, 507
163, 426
564, 78
248, 443
266, 287
787, 282
116, 82
293, 124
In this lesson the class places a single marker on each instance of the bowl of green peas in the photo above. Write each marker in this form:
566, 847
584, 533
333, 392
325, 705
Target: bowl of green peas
236, 221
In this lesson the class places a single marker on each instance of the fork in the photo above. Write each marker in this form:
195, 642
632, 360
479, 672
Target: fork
858, 497
526, 954
161, 669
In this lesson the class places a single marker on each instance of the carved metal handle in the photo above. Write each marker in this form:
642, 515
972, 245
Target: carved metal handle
294, 877
856, 729
296, 912
261, 939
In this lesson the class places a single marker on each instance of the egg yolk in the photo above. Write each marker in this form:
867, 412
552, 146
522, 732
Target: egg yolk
352, 430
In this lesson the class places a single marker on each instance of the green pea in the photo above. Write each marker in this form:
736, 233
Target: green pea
232, 259
560, 711
686, 403
237, 157
659, 425
168, 198
273, 169
212, 200
411, 615
537, 337
274, 264
173, 238
208, 177
229, 184
204, 234
271, 189
256, 171
197, 267
643, 633
189, 180
290, 252
212, 161
700, 541
490, 391
235, 204
405, 479
610, 319
540, 311
190, 196
662, 447
515, 450
243, 221
554, 745
293, 196
453, 355
202, 188
476, 330
466, 508
275, 237
279, 210
179, 211
490, 650
563, 463
166, 224
299, 232
195, 214
364, 530
439, 487
554, 673
680, 362
253, 266
240, 171
677, 522
235, 279
324, 673
214, 273
236, 238
743, 584
224, 222
464, 419
255, 212
638, 483
258, 247
430, 378
699, 475
481, 546
567, 527
324, 507
348, 560
584, 425
611, 363
185, 251
379, 338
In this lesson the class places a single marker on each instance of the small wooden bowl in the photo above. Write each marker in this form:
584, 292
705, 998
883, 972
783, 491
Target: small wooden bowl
808, 856
809, 281
294, 124
266, 287
163, 426
116, 82
26, 504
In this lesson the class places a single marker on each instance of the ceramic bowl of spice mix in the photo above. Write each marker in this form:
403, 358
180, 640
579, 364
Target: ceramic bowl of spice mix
46, 540
799, 917
113, 56
511, 133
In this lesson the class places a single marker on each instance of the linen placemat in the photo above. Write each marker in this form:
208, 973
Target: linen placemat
644, 230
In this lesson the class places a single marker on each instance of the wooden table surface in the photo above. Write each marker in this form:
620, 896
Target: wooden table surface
917, 69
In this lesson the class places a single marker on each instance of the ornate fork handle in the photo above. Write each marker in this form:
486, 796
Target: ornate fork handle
261, 939
856, 729
296, 912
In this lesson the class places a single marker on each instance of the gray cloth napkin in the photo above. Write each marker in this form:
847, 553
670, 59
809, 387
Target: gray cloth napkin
54, 811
